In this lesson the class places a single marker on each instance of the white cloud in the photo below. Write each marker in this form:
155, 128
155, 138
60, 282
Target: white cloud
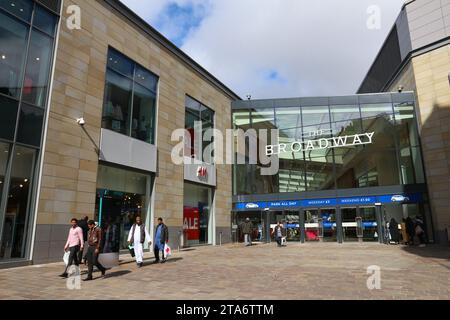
320, 47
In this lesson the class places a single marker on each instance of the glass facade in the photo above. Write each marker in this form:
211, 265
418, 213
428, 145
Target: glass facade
27, 36
339, 158
393, 157
197, 112
130, 98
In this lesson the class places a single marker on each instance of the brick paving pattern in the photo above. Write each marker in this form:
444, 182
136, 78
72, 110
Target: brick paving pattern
311, 271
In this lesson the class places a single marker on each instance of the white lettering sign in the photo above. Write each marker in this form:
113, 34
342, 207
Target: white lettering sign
320, 144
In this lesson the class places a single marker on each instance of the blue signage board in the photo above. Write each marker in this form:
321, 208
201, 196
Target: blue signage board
371, 200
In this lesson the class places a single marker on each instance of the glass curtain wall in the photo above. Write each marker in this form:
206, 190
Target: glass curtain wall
27, 36
393, 158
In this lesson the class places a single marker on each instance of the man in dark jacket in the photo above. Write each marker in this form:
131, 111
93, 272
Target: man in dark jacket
161, 238
94, 242
83, 224
247, 230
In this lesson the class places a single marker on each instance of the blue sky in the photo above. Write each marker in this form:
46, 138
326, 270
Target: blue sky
276, 48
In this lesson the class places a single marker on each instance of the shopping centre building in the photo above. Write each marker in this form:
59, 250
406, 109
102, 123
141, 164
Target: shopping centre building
88, 111
133, 88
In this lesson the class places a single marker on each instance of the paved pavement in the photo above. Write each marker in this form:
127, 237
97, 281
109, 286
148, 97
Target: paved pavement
309, 271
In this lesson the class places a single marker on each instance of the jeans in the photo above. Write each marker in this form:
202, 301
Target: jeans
247, 239
92, 259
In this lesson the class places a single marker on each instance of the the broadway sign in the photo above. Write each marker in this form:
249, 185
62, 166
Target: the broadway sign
320, 144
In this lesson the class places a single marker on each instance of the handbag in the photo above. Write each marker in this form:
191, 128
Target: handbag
131, 249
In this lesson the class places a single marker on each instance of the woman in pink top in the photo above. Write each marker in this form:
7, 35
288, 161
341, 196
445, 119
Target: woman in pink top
74, 244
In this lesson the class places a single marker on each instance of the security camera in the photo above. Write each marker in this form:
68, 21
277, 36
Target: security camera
81, 121
400, 89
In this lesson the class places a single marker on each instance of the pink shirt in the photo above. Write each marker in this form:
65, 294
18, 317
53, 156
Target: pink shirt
75, 237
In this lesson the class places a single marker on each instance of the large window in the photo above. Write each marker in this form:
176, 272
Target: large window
197, 113
122, 195
130, 98
392, 158
27, 36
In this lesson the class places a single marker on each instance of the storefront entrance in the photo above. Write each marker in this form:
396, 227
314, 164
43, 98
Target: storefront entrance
334, 224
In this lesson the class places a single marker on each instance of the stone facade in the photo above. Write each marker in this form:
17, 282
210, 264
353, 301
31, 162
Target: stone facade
69, 172
427, 74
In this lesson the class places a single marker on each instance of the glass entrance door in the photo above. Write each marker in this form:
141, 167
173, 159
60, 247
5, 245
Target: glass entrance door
349, 224
258, 225
327, 222
292, 225
311, 224
369, 222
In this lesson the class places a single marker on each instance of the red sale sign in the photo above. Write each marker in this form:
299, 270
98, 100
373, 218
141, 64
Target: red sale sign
191, 223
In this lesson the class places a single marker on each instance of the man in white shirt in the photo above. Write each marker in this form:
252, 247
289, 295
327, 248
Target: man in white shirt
137, 236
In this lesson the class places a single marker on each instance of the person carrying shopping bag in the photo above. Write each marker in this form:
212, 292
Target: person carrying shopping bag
137, 236
74, 245
161, 238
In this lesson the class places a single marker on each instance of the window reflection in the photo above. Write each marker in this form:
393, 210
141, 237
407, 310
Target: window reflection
13, 42
392, 158
15, 223
38, 69
130, 98
197, 112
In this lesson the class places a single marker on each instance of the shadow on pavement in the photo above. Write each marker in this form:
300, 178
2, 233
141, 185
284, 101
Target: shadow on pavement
430, 251
116, 274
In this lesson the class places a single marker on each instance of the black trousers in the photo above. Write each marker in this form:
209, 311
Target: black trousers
156, 251
92, 259
279, 241
73, 257
80, 255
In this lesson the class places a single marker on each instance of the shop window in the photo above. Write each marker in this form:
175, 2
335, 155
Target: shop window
13, 43
17, 215
198, 113
196, 214
130, 98
122, 195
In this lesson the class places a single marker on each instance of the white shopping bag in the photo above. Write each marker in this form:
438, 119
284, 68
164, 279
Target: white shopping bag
167, 251
66, 257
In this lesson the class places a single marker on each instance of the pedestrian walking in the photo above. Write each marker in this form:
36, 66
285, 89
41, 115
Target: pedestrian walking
73, 244
279, 232
137, 236
83, 224
94, 242
247, 230
161, 238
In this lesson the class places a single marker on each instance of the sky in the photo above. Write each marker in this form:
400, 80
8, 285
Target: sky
277, 48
